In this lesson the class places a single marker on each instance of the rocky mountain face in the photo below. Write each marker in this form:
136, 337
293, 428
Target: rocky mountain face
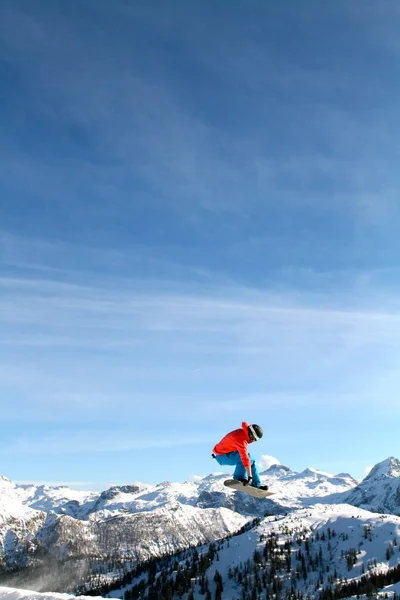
69, 529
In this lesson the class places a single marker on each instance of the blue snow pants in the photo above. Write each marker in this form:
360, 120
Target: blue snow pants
233, 459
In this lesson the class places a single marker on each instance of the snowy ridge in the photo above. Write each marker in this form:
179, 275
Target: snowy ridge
309, 486
291, 489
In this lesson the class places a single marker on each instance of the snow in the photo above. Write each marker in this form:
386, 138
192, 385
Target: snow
391, 589
294, 490
349, 524
11, 505
47, 498
7, 593
318, 472
290, 489
387, 468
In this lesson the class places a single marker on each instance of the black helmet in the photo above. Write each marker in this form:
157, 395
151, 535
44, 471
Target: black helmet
255, 432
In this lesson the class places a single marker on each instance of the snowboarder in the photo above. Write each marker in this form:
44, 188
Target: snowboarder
232, 450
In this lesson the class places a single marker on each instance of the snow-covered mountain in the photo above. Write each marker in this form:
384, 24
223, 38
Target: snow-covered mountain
305, 553
295, 490
380, 490
114, 522
290, 490
42, 525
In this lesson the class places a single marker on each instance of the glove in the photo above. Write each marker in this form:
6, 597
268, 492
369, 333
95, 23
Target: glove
247, 481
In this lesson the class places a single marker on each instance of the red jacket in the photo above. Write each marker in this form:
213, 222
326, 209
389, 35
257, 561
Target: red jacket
236, 440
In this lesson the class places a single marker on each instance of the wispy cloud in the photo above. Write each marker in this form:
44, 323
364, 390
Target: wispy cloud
87, 347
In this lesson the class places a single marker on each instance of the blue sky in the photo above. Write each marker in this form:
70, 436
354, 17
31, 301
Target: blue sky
199, 224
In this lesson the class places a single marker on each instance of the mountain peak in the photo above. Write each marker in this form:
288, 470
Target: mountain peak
311, 472
277, 470
5, 482
390, 467
115, 490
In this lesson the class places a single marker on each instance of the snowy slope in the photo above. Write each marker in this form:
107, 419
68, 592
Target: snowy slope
337, 542
7, 593
349, 524
390, 590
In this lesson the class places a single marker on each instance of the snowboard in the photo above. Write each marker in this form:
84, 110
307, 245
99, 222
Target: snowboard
233, 484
